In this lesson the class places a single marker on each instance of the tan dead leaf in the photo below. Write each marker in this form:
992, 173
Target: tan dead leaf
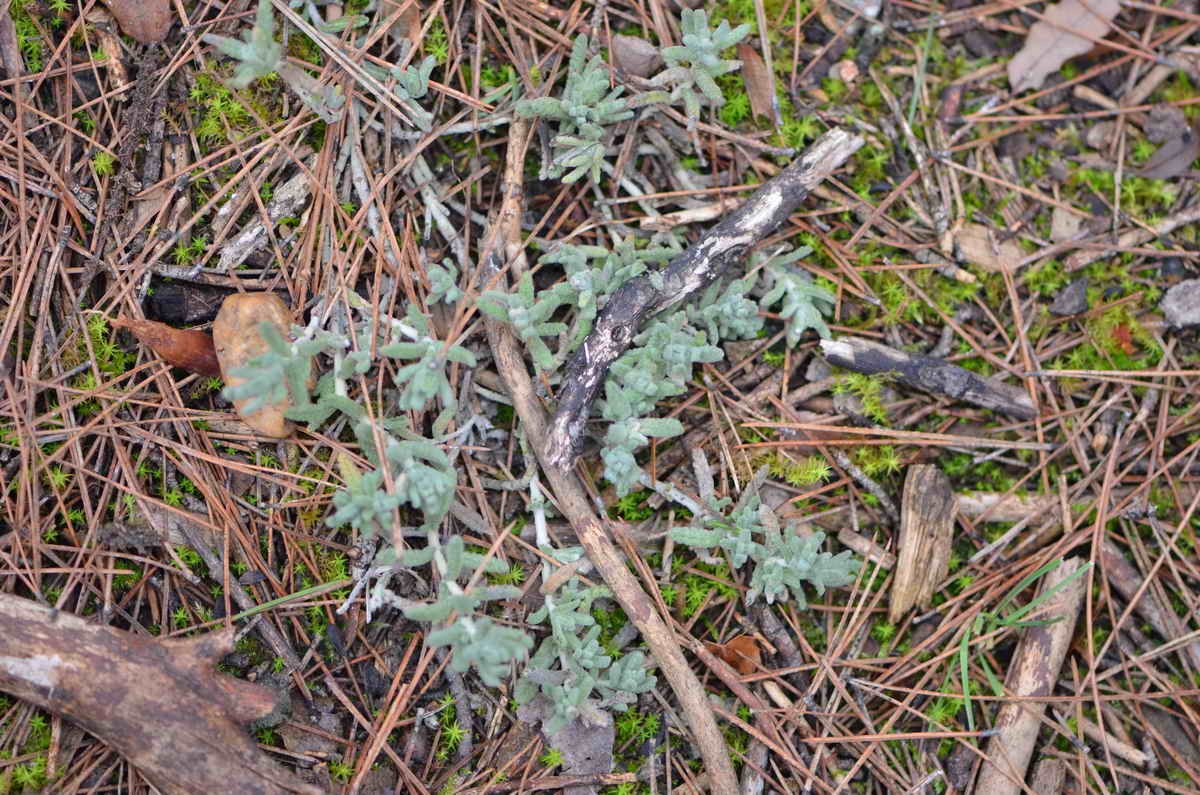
634, 55
981, 246
146, 20
1101, 134
742, 653
760, 85
407, 23
1064, 225
1066, 30
1173, 158
187, 348
238, 339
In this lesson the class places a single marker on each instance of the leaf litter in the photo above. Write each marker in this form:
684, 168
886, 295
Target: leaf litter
1070, 255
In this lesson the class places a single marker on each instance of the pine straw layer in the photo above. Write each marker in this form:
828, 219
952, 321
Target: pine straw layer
112, 172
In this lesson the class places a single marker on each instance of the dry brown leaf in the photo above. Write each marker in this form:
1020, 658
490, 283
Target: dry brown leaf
237, 339
187, 348
408, 21
1064, 225
981, 246
1066, 30
760, 85
742, 653
1173, 158
635, 56
146, 20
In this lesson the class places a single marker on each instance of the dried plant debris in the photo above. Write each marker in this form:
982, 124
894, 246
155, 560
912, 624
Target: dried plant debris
760, 84
1067, 29
1181, 305
1174, 158
187, 348
148, 21
635, 55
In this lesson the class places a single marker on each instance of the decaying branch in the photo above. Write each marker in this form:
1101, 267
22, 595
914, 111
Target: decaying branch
930, 375
1033, 674
160, 703
721, 248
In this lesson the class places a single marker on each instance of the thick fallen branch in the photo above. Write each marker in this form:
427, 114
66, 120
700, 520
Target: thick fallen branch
721, 248
160, 703
928, 374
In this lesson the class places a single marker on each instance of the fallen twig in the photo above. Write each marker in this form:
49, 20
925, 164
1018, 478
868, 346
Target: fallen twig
930, 375
1034, 672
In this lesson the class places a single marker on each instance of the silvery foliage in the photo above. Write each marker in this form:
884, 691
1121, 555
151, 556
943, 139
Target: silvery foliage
258, 53
784, 559
664, 355
577, 676
587, 106
412, 83
801, 298
443, 283
693, 66
421, 474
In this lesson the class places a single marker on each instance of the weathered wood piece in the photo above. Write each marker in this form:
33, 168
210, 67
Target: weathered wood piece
929, 374
1034, 671
160, 703
1049, 776
716, 252
927, 512
1130, 583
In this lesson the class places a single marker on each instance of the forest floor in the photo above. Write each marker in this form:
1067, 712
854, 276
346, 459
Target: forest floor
1017, 224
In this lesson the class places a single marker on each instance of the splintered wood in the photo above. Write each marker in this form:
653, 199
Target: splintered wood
1032, 675
926, 525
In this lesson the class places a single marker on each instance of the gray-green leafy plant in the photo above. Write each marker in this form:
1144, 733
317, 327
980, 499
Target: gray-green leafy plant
411, 84
443, 283
784, 560
258, 53
571, 669
801, 298
587, 106
408, 470
663, 356
694, 65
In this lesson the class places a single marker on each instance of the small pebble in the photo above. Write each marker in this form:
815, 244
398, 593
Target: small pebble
1181, 305
1072, 300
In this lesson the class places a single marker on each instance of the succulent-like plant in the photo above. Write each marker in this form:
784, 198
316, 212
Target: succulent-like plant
693, 66
258, 54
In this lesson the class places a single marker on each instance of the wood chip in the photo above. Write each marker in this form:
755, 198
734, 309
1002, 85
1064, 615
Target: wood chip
926, 534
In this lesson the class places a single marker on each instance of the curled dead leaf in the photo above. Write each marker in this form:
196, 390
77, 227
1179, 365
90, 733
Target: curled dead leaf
145, 20
741, 653
1174, 158
636, 56
187, 348
760, 84
238, 339
979, 245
